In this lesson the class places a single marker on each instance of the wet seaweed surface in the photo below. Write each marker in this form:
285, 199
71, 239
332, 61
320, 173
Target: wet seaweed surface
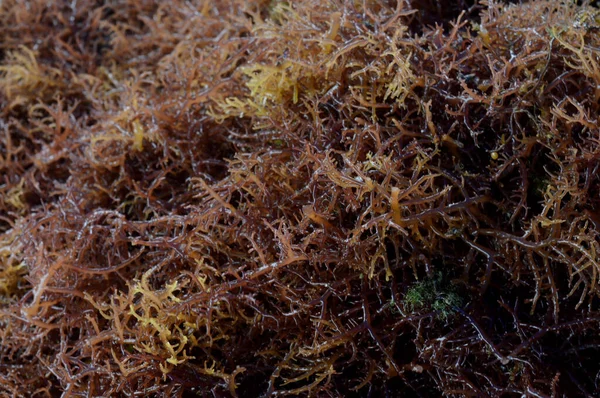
308, 198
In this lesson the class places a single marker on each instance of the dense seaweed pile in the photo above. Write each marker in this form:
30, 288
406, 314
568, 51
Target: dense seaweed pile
269, 198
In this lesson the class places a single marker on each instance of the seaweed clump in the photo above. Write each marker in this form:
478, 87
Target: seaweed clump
270, 198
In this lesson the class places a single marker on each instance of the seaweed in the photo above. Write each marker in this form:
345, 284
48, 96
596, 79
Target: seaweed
271, 198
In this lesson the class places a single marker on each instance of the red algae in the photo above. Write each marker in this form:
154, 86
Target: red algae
271, 198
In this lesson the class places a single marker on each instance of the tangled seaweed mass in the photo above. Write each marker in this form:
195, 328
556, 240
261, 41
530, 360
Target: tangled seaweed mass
309, 198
